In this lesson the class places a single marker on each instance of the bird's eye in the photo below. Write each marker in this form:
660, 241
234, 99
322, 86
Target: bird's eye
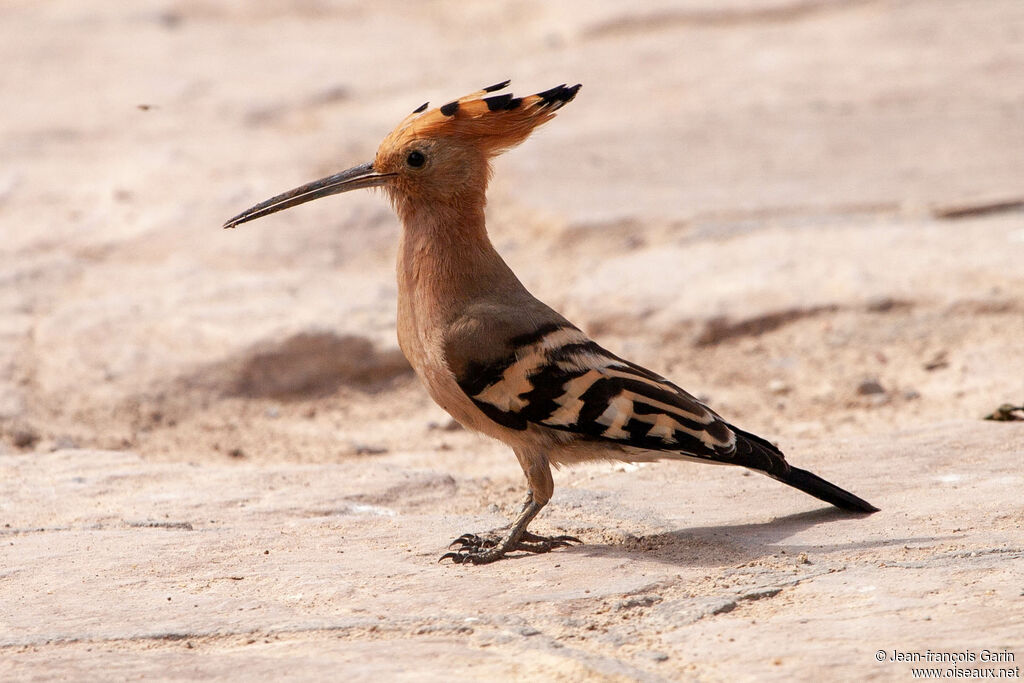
415, 159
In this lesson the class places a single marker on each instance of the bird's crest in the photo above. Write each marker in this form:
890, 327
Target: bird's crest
493, 122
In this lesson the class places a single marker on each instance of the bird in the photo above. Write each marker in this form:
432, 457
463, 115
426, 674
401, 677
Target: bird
495, 357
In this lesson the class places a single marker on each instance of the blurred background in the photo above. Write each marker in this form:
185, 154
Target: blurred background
808, 212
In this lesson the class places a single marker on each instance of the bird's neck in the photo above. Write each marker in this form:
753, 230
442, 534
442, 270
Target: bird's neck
446, 266
446, 260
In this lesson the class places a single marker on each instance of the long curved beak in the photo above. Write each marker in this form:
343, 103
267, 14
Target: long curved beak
353, 179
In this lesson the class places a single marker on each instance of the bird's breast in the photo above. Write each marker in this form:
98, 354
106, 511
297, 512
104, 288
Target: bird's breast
421, 328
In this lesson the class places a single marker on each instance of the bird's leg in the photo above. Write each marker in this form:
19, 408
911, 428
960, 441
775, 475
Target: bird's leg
477, 549
489, 539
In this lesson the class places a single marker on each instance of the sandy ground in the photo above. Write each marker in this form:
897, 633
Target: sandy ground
215, 464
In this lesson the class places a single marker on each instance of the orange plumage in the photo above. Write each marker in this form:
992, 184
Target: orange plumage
494, 123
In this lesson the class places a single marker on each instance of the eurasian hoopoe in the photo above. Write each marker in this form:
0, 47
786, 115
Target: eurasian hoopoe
497, 359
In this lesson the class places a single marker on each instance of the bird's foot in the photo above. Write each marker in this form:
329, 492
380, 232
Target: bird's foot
482, 541
489, 547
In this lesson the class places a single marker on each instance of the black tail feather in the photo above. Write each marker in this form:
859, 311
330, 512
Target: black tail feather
756, 453
823, 490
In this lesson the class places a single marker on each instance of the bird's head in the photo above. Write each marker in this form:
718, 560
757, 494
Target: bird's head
438, 157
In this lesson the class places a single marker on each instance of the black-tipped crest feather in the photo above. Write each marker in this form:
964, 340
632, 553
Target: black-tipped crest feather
497, 86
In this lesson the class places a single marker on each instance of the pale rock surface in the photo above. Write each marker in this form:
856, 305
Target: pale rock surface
215, 465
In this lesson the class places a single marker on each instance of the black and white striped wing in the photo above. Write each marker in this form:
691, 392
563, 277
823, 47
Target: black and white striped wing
559, 378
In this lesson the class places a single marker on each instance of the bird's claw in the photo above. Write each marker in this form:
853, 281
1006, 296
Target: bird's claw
474, 541
556, 541
461, 557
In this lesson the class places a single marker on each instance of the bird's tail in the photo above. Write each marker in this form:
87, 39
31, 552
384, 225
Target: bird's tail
808, 482
759, 454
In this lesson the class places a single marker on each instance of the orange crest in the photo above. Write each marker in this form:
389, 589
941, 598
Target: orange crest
493, 123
